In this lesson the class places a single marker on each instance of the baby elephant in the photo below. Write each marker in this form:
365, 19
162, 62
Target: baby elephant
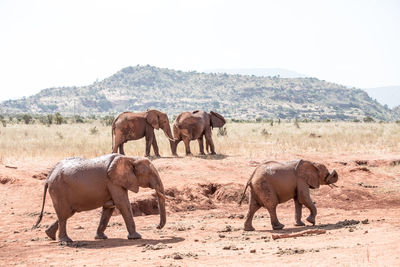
78, 184
276, 182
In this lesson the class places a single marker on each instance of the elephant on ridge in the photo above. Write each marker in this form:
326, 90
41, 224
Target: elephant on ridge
276, 182
194, 125
133, 126
79, 184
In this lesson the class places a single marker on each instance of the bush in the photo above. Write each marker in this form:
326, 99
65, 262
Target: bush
79, 119
27, 118
107, 120
368, 119
58, 118
94, 130
222, 131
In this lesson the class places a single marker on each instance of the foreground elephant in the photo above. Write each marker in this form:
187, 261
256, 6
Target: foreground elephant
273, 182
133, 126
194, 125
78, 184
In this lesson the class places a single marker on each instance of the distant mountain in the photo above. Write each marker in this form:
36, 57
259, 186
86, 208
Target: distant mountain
396, 112
235, 96
261, 72
388, 95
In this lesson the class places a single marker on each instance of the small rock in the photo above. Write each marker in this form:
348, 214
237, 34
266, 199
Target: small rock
221, 236
365, 221
252, 251
177, 256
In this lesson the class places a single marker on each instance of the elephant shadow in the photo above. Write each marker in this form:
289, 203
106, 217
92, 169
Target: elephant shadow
327, 226
212, 157
120, 242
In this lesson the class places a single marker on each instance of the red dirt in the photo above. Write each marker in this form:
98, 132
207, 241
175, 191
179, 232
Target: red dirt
205, 225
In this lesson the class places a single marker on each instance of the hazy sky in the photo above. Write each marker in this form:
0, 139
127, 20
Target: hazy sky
62, 43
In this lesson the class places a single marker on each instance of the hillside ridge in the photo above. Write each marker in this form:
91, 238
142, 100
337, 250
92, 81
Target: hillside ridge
236, 96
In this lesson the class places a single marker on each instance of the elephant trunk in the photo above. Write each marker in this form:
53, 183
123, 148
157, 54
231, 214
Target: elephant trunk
168, 133
332, 178
161, 204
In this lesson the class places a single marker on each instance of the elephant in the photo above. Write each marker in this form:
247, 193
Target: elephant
80, 184
133, 126
194, 125
275, 182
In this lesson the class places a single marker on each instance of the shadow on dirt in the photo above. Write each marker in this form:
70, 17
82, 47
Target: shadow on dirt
329, 226
119, 242
212, 157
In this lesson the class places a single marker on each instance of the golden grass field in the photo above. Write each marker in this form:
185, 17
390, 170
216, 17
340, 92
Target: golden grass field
244, 139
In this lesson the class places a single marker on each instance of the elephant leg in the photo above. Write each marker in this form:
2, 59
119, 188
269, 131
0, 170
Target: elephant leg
174, 147
121, 200
210, 141
298, 208
149, 141
305, 199
186, 141
253, 207
52, 230
155, 147
201, 146
104, 219
276, 225
121, 149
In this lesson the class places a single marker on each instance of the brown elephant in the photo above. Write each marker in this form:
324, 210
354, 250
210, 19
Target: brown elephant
276, 182
194, 125
79, 184
133, 126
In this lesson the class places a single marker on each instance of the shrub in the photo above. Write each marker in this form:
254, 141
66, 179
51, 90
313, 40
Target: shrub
58, 118
368, 119
107, 120
222, 131
27, 118
94, 130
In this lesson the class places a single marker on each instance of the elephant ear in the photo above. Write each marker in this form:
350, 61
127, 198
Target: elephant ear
152, 119
121, 173
307, 171
216, 119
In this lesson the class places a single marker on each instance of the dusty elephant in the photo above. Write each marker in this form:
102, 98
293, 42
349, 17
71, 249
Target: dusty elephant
274, 182
133, 126
79, 184
194, 125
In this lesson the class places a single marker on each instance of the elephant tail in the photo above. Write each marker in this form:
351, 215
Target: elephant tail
112, 136
247, 185
41, 213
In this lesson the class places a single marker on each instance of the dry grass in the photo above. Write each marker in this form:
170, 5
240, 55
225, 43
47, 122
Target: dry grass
246, 139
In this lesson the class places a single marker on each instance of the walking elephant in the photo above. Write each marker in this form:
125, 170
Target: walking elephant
274, 182
133, 126
194, 125
79, 184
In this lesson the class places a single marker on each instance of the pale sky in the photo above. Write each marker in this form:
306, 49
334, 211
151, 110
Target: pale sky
62, 43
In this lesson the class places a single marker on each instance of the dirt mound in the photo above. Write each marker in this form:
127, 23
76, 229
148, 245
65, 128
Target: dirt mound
230, 193
40, 176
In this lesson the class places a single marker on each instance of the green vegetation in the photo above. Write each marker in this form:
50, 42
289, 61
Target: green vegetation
239, 97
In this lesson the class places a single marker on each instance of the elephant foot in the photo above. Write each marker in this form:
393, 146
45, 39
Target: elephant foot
51, 233
175, 155
299, 223
135, 235
249, 228
189, 154
311, 220
213, 153
65, 239
278, 226
158, 156
202, 154
101, 236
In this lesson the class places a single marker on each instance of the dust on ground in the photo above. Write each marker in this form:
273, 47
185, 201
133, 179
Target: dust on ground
360, 218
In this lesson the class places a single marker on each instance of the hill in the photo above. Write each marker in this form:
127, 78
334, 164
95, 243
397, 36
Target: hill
235, 96
388, 95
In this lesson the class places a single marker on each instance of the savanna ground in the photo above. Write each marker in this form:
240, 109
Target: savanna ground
360, 217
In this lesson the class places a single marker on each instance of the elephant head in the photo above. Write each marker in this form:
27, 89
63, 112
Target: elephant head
132, 173
158, 120
217, 120
315, 174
